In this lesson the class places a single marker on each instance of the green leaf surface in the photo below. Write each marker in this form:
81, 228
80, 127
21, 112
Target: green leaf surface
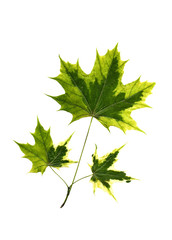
43, 153
101, 94
104, 173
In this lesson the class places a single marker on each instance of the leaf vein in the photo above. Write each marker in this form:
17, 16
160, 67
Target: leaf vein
70, 86
77, 86
74, 104
33, 153
124, 100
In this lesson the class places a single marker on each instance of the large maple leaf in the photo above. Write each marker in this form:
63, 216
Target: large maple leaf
101, 94
104, 173
43, 153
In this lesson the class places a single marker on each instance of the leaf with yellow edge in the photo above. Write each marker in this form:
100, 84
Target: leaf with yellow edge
43, 153
104, 173
101, 94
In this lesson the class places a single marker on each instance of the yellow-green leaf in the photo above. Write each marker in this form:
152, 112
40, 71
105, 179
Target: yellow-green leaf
101, 94
43, 153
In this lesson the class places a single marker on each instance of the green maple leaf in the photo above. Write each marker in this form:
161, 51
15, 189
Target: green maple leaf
101, 94
104, 173
43, 153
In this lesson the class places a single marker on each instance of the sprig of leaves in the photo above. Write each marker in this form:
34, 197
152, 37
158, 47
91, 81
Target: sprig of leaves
100, 95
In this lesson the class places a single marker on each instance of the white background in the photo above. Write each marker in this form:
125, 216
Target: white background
33, 34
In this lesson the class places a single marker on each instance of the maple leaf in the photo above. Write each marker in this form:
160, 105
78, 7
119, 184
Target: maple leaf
101, 94
43, 153
104, 173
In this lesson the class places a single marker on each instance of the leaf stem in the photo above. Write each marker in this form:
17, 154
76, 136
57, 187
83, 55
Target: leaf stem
59, 177
83, 178
73, 181
82, 151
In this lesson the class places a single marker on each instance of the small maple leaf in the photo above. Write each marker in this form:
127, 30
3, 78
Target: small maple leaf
101, 94
104, 173
43, 153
